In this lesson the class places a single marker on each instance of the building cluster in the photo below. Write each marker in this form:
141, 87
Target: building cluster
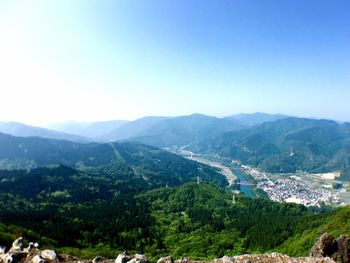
291, 190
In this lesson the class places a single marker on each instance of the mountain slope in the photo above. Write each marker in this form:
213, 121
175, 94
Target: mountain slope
132, 129
23, 130
286, 145
154, 167
183, 130
197, 221
94, 130
252, 119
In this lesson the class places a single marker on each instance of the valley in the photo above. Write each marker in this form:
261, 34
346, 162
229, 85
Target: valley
301, 187
233, 188
174, 131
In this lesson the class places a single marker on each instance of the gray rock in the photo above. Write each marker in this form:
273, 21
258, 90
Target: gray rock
325, 246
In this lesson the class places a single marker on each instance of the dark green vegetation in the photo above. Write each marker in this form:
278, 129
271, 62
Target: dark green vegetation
100, 199
184, 130
130, 165
192, 220
286, 145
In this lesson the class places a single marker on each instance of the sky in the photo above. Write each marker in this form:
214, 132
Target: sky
88, 60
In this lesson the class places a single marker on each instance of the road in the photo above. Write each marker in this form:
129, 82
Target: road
224, 170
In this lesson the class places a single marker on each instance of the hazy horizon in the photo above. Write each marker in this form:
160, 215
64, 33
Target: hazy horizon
49, 125
110, 60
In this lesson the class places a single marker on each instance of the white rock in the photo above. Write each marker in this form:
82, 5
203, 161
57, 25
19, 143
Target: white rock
6, 258
29, 248
17, 245
141, 258
48, 254
167, 259
122, 258
97, 259
37, 259
226, 259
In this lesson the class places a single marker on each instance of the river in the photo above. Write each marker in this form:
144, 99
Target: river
245, 189
231, 171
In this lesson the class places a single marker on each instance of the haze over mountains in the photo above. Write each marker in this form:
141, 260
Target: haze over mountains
91, 130
176, 128
23, 130
272, 142
255, 118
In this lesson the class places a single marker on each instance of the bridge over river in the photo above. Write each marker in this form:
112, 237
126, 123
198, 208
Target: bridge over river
231, 172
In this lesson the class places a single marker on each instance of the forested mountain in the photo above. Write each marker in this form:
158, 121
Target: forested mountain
166, 131
103, 198
251, 119
183, 130
23, 130
286, 145
93, 130
133, 128
92, 217
147, 165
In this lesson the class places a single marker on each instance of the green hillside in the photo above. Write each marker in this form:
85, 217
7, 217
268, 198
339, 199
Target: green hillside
198, 221
134, 164
286, 145
183, 130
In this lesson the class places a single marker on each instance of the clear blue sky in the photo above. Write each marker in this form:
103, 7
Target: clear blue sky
98, 60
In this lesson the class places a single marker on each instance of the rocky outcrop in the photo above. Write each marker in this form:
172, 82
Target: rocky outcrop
261, 258
48, 255
123, 257
327, 246
270, 258
166, 260
326, 250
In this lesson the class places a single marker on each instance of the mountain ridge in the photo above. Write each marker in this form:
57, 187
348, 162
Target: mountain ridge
286, 145
93, 130
24, 130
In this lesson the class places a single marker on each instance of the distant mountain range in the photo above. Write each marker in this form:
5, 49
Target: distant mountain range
94, 130
272, 142
126, 195
286, 145
183, 130
251, 119
164, 131
23, 130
